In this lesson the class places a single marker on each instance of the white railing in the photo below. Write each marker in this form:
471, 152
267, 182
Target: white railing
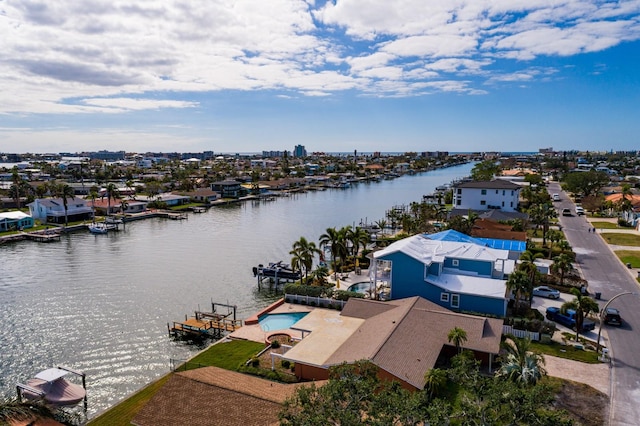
521, 334
322, 302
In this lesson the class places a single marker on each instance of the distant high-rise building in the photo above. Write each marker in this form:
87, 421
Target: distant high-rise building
299, 151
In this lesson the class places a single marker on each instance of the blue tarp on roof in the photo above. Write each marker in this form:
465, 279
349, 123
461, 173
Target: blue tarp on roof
451, 235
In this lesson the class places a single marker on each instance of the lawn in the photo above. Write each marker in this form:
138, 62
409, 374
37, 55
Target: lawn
620, 239
567, 352
629, 256
228, 355
604, 225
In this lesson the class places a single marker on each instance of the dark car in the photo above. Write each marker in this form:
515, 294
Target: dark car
611, 316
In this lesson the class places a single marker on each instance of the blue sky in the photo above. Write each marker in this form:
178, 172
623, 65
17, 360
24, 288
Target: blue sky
371, 75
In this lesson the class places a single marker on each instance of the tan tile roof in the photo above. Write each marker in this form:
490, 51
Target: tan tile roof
213, 396
405, 337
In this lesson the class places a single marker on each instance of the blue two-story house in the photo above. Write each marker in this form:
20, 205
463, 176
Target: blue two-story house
462, 274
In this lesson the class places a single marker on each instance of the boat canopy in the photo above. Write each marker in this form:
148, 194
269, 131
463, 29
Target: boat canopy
51, 374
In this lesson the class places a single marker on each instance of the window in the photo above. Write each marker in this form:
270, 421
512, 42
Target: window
444, 297
455, 262
455, 300
458, 202
459, 191
512, 193
503, 204
503, 192
512, 204
483, 192
483, 202
496, 191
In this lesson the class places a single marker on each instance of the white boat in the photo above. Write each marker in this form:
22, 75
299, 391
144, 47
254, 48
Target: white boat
98, 228
113, 220
51, 386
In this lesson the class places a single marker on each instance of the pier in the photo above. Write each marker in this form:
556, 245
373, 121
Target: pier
206, 324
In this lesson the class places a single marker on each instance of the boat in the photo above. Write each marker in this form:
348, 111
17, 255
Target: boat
51, 386
98, 228
278, 270
112, 220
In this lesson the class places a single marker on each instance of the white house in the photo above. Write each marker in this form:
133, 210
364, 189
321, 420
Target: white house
52, 209
486, 195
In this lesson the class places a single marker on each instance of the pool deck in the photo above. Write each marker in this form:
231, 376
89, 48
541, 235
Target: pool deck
255, 333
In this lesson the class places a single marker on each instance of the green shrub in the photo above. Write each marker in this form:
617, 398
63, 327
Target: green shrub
286, 363
275, 344
345, 295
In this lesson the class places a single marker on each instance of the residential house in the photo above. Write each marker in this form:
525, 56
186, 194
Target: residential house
486, 195
51, 210
462, 274
228, 188
403, 338
203, 195
104, 207
15, 220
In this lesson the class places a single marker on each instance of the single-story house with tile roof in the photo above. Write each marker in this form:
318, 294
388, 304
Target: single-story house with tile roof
462, 274
403, 338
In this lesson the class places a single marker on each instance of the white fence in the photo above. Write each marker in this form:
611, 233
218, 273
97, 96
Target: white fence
322, 302
521, 334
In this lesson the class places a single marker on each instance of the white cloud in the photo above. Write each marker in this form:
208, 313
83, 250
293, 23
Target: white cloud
105, 50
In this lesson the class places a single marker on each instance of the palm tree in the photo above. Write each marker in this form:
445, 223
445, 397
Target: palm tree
519, 363
458, 336
16, 412
382, 224
303, 253
92, 196
112, 192
358, 238
65, 192
435, 382
562, 265
583, 305
520, 284
335, 240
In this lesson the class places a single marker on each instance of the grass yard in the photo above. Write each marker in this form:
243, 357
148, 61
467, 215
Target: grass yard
604, 225
620, 239
629, 256
228, 355
567, 352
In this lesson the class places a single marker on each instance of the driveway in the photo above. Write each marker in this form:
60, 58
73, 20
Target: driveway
607, 275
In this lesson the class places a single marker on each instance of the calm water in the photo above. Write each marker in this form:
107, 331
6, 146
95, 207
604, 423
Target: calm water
100, 303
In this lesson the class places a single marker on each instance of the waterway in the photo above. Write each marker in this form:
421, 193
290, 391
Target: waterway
101, 303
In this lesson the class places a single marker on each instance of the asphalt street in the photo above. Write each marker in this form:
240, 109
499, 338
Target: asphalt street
607, 275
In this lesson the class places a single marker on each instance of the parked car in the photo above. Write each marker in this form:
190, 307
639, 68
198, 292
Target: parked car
579, 211
611, 316
568, 319
548, 292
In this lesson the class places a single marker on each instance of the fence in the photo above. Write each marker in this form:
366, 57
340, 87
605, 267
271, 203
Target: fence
521, 334
322, 302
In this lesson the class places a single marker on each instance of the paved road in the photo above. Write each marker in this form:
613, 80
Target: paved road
607, 275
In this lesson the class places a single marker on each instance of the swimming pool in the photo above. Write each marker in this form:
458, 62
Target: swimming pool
362, 287
271, 322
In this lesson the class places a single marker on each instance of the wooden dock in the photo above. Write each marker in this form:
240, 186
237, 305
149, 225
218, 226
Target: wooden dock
206, 324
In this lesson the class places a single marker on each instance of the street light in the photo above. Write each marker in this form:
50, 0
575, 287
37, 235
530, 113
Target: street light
604, 310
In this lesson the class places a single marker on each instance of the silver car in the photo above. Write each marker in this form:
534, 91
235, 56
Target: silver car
548, 292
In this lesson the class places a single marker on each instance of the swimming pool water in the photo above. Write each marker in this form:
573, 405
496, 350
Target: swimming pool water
362, 287
271, 322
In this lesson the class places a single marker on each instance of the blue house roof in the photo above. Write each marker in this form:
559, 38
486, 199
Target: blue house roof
455, 236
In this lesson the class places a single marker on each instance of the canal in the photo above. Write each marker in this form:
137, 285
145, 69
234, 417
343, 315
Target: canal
100, 303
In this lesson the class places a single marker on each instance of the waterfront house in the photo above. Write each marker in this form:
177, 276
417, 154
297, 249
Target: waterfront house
451, 269
403, 338
228, 188
101, 206
496, 194
51, 210
15, 220
203, 195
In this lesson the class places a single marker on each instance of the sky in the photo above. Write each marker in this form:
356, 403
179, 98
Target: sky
335, 76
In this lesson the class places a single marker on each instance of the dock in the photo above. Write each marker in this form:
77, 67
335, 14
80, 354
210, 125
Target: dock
203, 325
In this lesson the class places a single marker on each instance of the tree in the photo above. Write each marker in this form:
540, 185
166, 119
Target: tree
585, 183
520, 285
112, 192
583, 305
562, 265
458, 336
435, 382
303, 253
485, 170
528, 266
16, 412
65, 192
519, 363
335, 240
358, 238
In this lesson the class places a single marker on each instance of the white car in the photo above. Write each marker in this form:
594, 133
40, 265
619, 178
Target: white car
556, 197
579, 211
548, 292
